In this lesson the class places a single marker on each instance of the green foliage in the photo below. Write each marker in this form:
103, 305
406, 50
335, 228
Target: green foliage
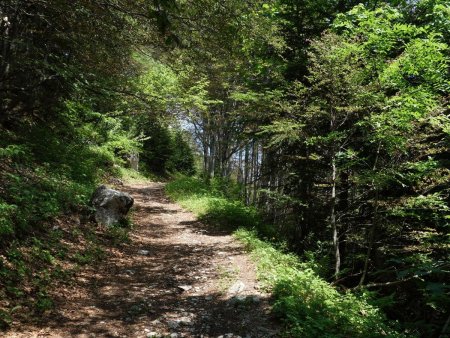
131, 175
182, 158
13, 151
159, 83
229, 214
211, 205
6, 219
183, 187
119, 141
157, 147
118, 235
163, 148
93, 253
5, 320
37, 196
294, 99
43, 302
309, 306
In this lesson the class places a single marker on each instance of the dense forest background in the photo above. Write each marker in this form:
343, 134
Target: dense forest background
330, 119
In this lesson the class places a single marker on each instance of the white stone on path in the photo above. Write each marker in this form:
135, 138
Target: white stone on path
185, 287
237, 287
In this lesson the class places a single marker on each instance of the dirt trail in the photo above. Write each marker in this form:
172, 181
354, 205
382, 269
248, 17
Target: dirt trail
177, 278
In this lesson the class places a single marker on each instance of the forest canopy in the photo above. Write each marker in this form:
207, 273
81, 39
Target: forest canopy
330, 119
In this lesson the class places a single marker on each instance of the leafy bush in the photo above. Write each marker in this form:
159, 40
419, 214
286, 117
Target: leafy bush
6, 218
184, 187
36, 196
91, 254
229, 214
165, 151
13, 151
118, 235
48, 169
181, 158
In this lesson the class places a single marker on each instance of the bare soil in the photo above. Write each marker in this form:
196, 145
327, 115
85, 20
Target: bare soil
177, 278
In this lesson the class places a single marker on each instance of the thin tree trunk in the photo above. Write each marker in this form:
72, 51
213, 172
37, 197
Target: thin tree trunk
239, 168
444, 329
246, 173
6, 39
371, 239
255, 172
337, 254
212, 154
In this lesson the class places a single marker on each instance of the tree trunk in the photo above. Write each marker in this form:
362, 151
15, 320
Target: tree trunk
337, 254
212, 154
371, 241
255, 155
246, 173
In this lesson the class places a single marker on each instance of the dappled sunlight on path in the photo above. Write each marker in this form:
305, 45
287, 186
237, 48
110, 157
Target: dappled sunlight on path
176, 278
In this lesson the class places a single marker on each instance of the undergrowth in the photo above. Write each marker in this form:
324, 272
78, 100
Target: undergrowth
32, 270
211, 204
133, 176
307, 304
47, 176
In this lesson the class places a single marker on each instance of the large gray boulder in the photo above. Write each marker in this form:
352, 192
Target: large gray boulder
111, 206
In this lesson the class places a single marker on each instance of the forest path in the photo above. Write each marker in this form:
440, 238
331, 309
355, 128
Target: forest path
177, 278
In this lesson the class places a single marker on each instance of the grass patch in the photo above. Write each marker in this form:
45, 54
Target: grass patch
307, 304
210, 205
133, 176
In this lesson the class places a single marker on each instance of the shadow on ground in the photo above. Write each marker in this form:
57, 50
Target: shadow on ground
163, 281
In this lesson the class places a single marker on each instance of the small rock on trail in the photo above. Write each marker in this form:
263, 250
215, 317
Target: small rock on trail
236, 288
